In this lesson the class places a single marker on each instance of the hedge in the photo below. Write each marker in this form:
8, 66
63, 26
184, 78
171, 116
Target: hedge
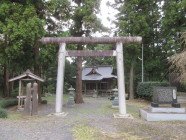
145, 89
3, 113
4, 104
8, 103
44, 102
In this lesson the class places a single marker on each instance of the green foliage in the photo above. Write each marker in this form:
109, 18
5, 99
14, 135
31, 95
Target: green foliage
3, 113
173, 24
85, 20
145, 89
21, 28
14, 93
8, 103
182, 87
44, 102
101, 60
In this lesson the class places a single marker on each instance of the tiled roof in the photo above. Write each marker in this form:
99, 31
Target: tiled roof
97, 73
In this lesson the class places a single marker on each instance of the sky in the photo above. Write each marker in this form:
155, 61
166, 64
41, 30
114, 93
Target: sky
107, 16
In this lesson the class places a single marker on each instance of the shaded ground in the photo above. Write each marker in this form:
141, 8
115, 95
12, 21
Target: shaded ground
92, 120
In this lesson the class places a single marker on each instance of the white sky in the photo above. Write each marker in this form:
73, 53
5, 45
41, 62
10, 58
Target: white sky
107, 17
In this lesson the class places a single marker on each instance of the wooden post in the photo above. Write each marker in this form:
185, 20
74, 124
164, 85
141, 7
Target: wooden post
19, 98
85, 88
121, 82
60, 79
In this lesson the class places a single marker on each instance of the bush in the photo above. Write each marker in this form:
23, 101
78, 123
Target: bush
145, 89
14, 92
8, 103
44, 102
3, 113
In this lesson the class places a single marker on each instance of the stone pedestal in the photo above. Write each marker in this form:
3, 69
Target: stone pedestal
163, 114
118, 115
71, 101
61, 114
115, 103
95, 94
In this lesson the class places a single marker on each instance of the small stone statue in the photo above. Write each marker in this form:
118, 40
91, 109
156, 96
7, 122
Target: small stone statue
95, 94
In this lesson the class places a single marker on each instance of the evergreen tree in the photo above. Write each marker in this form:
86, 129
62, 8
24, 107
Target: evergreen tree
85, 22
173, 25
21, 28
140, 18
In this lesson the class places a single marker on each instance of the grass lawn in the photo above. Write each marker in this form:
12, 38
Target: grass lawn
52, 99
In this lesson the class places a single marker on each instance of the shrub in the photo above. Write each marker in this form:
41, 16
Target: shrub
3, 113
145, 89
44, 102
14, 92
8, 103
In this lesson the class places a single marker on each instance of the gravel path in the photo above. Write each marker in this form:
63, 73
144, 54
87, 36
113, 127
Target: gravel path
96, 113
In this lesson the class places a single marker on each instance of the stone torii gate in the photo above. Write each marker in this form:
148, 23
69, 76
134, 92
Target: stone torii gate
119, 41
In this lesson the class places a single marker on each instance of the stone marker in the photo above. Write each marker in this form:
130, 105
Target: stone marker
31, 102
27, 108
164, 95
35, 99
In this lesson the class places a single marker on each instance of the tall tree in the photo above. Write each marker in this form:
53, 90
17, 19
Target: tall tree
173, 25
85, 22
21, 28
139, 18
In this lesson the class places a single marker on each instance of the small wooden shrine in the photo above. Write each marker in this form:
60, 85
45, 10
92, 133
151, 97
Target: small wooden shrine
26, 76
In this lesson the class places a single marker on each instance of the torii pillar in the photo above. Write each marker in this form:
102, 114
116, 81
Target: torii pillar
119, 41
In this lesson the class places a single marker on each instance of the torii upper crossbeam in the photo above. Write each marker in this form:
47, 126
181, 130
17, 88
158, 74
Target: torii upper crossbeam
91, 40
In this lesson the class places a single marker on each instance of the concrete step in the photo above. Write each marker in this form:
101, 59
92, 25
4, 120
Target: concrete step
181, 99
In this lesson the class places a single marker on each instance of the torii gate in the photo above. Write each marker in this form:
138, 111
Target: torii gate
119, 41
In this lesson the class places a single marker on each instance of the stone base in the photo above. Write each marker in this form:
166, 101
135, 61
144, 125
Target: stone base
176, 105
181, 99
167, 110
61, 114
115, 106
20, 109
95, 96
118, 115
162, 116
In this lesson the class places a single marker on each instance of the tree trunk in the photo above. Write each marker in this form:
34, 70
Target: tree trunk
79, 96
37, 69
12, 84
131, 86
6, 84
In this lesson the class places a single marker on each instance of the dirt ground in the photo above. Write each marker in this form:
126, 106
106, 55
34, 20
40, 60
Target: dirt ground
92, 120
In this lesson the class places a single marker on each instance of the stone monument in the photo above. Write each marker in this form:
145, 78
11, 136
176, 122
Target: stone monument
31, 101
158, 112
164, 95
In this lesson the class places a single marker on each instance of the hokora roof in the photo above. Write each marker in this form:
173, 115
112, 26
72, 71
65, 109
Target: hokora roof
26, 75
97, 73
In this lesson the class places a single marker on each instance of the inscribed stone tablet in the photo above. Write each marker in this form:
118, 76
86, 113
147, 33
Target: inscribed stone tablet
165, 95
